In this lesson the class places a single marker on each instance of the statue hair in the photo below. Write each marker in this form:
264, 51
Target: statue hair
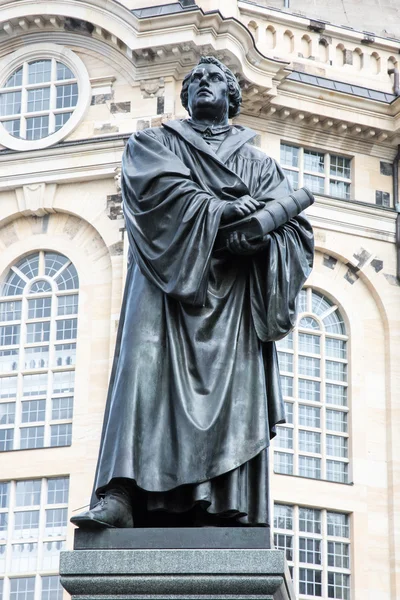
234, 91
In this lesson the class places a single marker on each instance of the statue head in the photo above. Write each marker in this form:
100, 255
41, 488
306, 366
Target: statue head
211, 89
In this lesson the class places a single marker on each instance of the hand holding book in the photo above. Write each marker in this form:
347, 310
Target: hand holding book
257, 224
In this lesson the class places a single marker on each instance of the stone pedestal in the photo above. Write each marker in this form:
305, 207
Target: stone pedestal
175, 564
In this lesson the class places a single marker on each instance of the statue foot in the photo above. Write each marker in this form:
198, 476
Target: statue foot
111, 511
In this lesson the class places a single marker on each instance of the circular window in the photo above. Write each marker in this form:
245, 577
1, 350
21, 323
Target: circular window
44, 93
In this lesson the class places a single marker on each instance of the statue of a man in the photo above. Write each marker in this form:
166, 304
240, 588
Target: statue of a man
194, 394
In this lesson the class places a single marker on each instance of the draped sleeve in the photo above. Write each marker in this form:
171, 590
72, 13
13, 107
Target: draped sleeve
171, 221
281, 268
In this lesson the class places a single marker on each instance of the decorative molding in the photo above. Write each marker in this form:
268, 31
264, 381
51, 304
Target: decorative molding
152, 88
36, 199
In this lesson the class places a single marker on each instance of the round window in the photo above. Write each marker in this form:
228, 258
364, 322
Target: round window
42, 98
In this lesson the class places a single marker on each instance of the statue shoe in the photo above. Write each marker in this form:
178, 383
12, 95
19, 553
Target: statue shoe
111, 511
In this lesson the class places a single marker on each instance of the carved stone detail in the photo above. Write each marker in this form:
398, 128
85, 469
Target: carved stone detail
152, 88
36, 199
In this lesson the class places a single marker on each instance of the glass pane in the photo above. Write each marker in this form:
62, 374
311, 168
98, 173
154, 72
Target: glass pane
314, 161
38, 332
340, 166
309, 416
7, 413
62, 408
284, 437
53, 263
67, 95
314, 184
37, 357
56, 522
68, 305
4, 492
338, 524
339, 555
26, 524
283, 463
3, 531
66, 329
293, 177
310, 467
285, 361
32, 437
13, 285
37, 128
23, 559
34, 385
310, 551
336, 445
29, 265
6, 440
284, 542
337, 471
310, 582
320, 304
39, 308
10, 311
51, 588
309, 441
287, 385
51, 555
8, 387
63, 72
301, 303
339, 586
57, 490
65, 355
39, 71
309, 390
61, 435
310, 520
289, 155
61, 119
285, 343
339, 189
283, 516
309, 366
309, 343
9, 335
334, 323
28, 492
63, 382
13, 126
336, 420
10, 103
15, 79
22, 588
40, 287
9, 360
33, 411
336, 394
335, 370
309, 323
68, 279
38, 99
289, 412
336, 348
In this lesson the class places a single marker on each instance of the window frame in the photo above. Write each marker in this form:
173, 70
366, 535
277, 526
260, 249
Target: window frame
45, 51
326, 175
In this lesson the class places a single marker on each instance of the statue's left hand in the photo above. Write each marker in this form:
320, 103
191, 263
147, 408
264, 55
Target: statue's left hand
237, 243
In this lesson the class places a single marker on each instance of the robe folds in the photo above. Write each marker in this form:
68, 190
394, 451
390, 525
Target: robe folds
194, 392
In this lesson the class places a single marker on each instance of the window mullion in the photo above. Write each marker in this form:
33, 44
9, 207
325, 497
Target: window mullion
327, 173
301, 167
24, 101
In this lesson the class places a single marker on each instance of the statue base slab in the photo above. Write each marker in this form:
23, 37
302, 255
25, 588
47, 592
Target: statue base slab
194, 572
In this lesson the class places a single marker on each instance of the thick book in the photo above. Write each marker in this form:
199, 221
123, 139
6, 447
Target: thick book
273, 215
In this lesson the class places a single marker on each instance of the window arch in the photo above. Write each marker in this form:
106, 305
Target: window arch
313, 365
38, 329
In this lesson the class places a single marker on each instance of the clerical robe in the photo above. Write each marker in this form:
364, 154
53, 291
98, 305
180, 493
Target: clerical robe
194, 395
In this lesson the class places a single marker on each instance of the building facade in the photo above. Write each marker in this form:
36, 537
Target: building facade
77, 77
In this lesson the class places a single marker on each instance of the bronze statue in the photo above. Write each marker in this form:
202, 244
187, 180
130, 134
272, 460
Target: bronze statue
194, 394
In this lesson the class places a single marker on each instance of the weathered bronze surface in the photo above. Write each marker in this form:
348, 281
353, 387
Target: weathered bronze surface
194, 395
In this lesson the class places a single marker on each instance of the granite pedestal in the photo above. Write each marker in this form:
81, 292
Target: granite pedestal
175, 564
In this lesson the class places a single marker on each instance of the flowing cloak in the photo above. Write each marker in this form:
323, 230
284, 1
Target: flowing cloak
194, 391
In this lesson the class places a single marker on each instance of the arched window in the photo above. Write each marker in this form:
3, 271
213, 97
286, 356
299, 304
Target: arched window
313, 366
38, 328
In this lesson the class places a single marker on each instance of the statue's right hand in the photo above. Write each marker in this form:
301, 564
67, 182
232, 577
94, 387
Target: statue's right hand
237, 209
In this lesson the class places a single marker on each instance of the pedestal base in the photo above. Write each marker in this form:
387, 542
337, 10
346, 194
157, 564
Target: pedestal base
167, 573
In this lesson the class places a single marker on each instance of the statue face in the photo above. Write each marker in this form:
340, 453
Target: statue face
208, 93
